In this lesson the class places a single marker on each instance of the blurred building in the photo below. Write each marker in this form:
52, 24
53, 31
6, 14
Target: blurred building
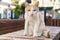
48, 3
42, 3
4, 3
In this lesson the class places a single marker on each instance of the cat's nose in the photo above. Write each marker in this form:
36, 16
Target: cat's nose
31, 14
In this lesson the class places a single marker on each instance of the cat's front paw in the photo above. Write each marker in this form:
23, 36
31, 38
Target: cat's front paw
38, 35
25, 34
30, 34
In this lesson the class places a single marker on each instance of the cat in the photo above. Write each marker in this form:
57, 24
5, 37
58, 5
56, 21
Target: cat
33, 20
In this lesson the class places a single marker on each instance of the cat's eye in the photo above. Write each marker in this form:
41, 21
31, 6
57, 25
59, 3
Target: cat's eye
34, 10
28, 10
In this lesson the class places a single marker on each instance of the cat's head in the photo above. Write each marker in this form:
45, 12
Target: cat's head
31, 9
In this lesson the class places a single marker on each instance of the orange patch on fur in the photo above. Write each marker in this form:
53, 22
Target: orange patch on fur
30, 6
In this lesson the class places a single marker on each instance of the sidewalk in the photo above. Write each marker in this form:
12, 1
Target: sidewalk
18, 35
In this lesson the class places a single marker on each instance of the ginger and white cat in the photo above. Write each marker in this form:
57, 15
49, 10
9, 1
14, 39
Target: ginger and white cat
34, 21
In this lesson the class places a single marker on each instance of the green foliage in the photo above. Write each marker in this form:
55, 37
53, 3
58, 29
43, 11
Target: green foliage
20, 9
17, 9
23, 8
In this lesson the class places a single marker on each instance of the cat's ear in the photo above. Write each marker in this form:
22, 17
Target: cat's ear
37, 3
26, 4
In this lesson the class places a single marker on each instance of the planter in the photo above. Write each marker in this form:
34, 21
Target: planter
16, 16
21, 16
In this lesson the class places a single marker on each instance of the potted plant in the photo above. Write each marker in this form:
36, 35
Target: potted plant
22, 10
19, 10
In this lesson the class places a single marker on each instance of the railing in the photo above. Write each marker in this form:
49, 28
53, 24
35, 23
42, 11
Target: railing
52, 22
7, 26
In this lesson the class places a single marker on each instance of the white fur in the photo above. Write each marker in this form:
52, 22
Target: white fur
33, 23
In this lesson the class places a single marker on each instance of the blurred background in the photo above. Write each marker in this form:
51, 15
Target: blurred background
19, 10
49, 8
